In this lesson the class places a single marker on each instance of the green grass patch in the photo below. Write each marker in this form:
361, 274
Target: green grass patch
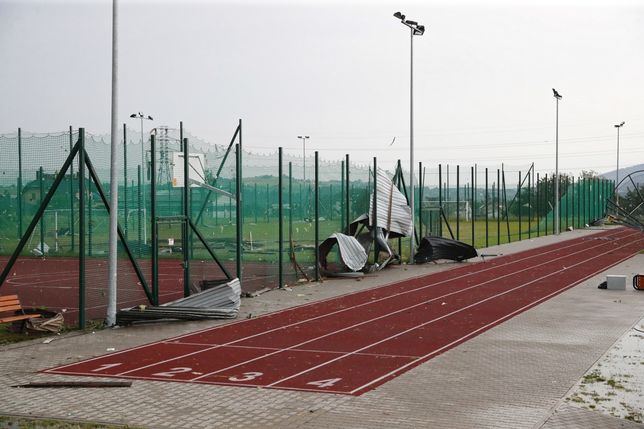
593, 377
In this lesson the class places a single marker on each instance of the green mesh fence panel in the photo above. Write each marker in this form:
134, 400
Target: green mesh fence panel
496, 215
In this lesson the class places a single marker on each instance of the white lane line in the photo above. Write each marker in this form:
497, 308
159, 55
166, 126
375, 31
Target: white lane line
391, 314
299, 350
572, 244
444, 316
532, 304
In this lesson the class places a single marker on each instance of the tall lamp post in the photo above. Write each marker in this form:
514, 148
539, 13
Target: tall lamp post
618, 126
141, 116
416, 30
556, 214
303, 138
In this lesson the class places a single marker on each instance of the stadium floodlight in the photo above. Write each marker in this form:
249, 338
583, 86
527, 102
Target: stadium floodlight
618, 126
303, 138
142, 116
556, 213
416, 30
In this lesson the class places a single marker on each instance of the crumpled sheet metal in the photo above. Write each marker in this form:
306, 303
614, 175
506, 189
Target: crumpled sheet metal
352, 253
393, 214
432, 248
219, 302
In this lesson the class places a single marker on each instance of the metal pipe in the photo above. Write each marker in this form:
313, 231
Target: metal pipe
114, 181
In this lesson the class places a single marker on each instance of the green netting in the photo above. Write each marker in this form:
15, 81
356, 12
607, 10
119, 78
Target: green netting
514, 205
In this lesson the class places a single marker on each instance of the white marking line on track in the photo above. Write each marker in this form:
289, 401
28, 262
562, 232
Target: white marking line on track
575, 242
390, 314
532, 304
439, 318
335, 352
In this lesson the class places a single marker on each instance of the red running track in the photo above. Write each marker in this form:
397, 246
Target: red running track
353, 343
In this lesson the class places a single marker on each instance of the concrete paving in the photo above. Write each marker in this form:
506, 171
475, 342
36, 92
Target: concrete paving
515, 375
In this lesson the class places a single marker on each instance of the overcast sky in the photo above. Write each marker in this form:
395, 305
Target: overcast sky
339, 72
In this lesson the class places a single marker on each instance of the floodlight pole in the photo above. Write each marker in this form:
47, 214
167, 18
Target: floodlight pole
618, 126
412, 244
556, 213
303, 138
114, 186
141, 116
416, 30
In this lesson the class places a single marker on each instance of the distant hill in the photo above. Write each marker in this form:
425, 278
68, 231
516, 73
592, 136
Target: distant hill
623, 172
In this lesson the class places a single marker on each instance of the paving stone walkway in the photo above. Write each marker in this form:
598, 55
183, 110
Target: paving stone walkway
512, 376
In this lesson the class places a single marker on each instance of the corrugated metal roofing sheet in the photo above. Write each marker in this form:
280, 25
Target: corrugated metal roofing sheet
352, 253
393, 213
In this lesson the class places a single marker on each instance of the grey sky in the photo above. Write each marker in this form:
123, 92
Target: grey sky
339, 72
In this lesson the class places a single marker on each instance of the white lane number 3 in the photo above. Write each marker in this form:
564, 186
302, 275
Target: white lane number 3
247, 376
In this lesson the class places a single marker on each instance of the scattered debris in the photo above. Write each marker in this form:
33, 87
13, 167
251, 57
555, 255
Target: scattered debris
433, 248
256, 293
352, 255
46, 324
217, 302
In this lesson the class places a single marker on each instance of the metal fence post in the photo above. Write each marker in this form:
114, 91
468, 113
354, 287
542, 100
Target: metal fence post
125, 182
487, 226
19, 193
41, 188
421, 184
239, 177
81, 229
519, 203
440, 200
538, 212
290, 206
139, 211
343, 221
374, 221
71, 191
317, 218
280, 210
458, 202
186, 216
473, 209
153, 220
498, 206
347, 196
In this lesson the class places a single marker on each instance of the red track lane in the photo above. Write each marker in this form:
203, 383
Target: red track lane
351, 344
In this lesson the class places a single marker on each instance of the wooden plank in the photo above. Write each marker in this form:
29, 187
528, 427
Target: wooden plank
8, 298
10, 307
20, 317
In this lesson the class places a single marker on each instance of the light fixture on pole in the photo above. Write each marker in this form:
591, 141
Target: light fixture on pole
416, 30
141, 116
303, 138
556, 213
618, 126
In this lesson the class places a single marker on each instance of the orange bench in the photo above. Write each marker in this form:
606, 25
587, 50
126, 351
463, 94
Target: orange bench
10, 306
